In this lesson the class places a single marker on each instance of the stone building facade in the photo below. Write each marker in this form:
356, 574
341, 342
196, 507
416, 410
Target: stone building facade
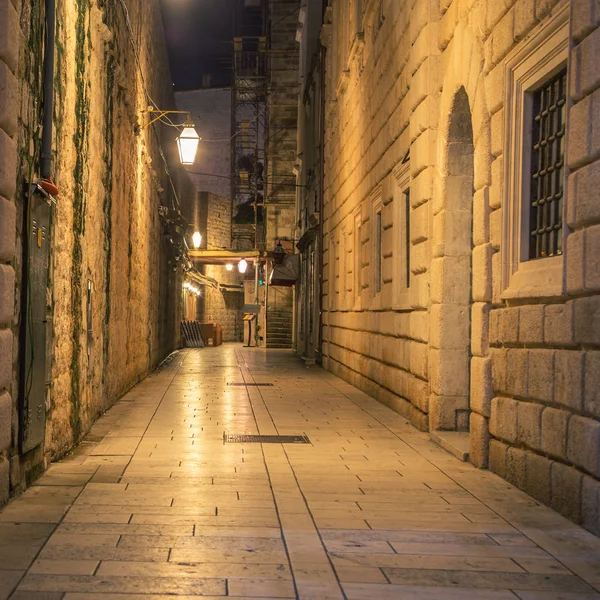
108, 305
461, 222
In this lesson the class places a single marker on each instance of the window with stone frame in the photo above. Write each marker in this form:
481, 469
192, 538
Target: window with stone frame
401, 228
535, 121
357, 261
548, 124
378, 271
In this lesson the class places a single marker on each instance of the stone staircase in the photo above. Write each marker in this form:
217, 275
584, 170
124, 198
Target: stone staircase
279, 328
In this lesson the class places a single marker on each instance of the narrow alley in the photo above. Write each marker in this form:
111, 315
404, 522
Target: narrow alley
158, 502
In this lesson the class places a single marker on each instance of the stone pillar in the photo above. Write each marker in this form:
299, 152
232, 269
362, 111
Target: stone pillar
9, 55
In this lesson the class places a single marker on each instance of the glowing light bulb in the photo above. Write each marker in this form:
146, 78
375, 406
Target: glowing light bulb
229, 267
197, 239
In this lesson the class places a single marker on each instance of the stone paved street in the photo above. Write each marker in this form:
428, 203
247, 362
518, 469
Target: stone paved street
154, 504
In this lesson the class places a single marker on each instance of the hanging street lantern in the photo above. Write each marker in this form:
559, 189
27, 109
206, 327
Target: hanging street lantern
278, 254
187, 142
242, 265
196, 239
229, 267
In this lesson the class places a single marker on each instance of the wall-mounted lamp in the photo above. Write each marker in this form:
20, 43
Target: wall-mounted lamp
242, 265
187, 142
229, 267
196, 239
188, 139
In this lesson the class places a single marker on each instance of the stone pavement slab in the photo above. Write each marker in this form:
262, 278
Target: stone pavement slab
155, 505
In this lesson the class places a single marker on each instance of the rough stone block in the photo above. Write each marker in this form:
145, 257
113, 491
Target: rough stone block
479, 440
7, 229
494, 326
591, 399
9, 100
496, 228
582, 208
9, 35
529, 424
444, 411
8, 164
503, 37
591, 264
541, 375
517, 362
516, 467
531, 324
450, 280
7, 290
5, 421
587, 59
590, 504
6, 358
509, 325
449, 372
497, 458
566, 491
583, 447
575, 262
568, 378
525, 18
579, 119
587, 313
481, 385
481, 220
480, 328
558, 324
497, 188
503, 419
538, 477
499, 369
554, 432
482, 273
584, 17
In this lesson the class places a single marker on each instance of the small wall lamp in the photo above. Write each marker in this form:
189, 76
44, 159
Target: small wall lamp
196, 239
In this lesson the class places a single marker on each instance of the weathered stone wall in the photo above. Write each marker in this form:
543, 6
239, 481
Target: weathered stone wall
105, 227
418, 112
211, 112
9, 107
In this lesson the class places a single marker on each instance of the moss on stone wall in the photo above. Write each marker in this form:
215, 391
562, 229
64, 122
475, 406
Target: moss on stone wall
80, 143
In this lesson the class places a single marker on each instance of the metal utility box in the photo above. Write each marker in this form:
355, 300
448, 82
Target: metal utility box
35, 323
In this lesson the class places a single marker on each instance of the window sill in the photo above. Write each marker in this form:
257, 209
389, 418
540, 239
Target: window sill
541, 278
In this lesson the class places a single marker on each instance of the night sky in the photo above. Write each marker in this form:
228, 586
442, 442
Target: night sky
199, 37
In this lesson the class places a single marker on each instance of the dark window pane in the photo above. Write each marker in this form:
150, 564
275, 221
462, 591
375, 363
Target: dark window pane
547, 167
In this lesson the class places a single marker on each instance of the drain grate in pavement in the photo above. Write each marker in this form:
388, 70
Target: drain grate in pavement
253, 384
265, 439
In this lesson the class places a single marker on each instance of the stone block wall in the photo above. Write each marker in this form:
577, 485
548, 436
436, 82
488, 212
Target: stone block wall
105, 230
425, 87
9, 108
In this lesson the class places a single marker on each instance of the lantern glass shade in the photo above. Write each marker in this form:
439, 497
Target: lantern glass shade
242, 265
197, 239
229, 267
187, 143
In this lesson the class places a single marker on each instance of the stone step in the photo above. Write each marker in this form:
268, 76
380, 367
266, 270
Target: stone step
455, 442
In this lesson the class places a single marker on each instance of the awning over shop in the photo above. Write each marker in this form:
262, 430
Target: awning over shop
287, 273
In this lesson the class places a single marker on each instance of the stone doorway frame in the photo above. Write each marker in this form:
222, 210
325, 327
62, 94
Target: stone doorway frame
459, 396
